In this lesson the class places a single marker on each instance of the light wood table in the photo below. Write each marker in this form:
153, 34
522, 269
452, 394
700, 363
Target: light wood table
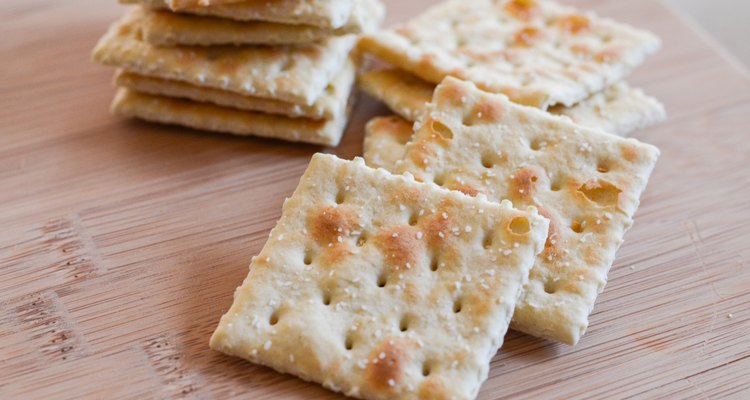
121, 242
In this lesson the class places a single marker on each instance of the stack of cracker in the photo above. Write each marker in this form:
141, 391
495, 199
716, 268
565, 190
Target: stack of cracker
566, 160
280, 69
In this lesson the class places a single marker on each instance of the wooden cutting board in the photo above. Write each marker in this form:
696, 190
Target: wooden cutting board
121, 242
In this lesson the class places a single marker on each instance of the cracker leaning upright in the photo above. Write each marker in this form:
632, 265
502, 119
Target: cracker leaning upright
587, 182
379, 286
537, 52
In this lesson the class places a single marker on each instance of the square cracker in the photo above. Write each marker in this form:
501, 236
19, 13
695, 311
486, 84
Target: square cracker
292, 74
619, 109
205, 116
164, 28
330, 14
381, 287
327, 106
587, 182
537, 52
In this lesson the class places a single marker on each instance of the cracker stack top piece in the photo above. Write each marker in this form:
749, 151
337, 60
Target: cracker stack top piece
382, 287
537, 52
586, 181
171, 28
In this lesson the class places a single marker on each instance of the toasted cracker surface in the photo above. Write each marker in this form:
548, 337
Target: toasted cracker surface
327, 106
381, 287
587, 182
537, 52
292, 74
205, 116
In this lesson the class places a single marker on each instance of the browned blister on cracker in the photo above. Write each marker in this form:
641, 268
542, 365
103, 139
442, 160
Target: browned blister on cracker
382, 287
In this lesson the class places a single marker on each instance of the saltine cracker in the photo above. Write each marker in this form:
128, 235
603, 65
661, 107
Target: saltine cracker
292, 74
537, 52
327, 106
587, 182
381, 287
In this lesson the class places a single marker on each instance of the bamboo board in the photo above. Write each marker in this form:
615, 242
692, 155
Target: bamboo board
122, 241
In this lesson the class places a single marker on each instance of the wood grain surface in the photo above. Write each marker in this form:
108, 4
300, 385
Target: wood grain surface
122, 242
